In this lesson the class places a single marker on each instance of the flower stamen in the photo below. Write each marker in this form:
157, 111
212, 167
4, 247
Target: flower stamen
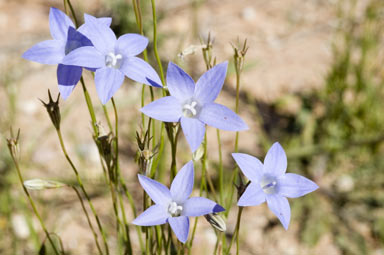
189, 109
269, 185
174, 209
113, 60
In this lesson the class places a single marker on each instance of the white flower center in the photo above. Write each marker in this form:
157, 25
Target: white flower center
174, 209
269, 184
190, 109
114, 61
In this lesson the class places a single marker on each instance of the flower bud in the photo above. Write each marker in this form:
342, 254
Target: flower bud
198, 154
53, 110
216, 221
145, 154
104, 144
38, 184
239, 55
13, 145
190, 50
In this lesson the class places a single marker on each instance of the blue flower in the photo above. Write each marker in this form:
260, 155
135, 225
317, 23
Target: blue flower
193, 105
270, 183
65, 40
112, 58
174, 206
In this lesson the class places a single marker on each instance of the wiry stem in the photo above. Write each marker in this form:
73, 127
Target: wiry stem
80, 182
33, 204
238, 57
120, 177
88, 219
154, 18
236, 233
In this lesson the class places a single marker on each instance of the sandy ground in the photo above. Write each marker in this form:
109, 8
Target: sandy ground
290, 49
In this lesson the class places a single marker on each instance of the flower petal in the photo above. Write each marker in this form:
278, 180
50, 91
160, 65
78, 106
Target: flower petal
180, 226
65, 90
252, 196
49, 52
86, 56
182, 184
155, 190
294, 185
102, 37
249, 165
154, 215
180, 84
131, 44
68, 76
75, 40
219, 116
275, 162
194, 131
280, 207
108, 81
140, 71
59, 23
105, 20
166, 109
198, 206
210, 83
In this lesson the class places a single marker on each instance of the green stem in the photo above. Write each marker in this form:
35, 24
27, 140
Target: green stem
120, 177
159, 239
203, 186
34, 206
221, 174
80, 182
154, 18
90, 107
237, 105
107, 118
72, 11
236, 233
88, 219
174, 150
162, 77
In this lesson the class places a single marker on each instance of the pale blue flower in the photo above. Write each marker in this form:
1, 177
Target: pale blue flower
112, 58
193, 105
65, 39
270, 183
174, 206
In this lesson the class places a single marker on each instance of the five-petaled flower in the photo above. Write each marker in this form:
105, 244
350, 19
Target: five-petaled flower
65, 39
112, 58
193, 105
174, 206
270, 183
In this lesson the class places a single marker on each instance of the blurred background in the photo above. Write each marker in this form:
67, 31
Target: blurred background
313, 80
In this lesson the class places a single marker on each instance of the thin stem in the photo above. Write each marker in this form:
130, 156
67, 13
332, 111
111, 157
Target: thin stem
221, 174
217, 243
73, 12
90, 107
159, 238
120, 179
88, 219
83, 189
236, 233
33, 205
154, 18
237, 104
173, 151
162, 77
107, 118
203, 185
